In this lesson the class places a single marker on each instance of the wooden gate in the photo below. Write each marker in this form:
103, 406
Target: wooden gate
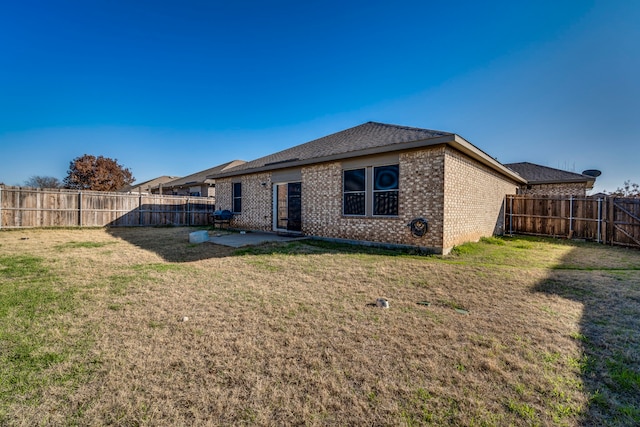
625, 222
610, 220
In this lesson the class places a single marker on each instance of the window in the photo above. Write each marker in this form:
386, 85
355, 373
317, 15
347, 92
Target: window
385, 190
354, 194
371, 191
237, 197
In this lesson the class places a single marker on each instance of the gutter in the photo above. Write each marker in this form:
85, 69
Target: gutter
564, 181
461, 144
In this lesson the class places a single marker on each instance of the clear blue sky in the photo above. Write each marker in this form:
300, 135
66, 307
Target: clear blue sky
176, 87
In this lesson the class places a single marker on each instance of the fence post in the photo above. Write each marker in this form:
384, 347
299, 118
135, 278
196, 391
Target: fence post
80, 208
611, 225
17, 210
0, 207
188, 218
599, 220
511, 217
504, 214
570, 217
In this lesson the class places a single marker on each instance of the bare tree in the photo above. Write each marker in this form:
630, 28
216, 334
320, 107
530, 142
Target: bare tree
97, 173
38, 181
629, 189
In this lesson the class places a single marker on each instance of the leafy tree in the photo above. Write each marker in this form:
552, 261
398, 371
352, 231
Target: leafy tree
97, 173
38, 181
629, 189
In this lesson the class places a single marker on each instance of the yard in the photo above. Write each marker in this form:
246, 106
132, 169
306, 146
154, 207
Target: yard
139, 327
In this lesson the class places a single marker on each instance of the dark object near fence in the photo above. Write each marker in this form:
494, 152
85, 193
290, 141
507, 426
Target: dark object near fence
221, 217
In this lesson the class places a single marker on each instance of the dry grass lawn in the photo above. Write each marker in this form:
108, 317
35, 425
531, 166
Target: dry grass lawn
513, 331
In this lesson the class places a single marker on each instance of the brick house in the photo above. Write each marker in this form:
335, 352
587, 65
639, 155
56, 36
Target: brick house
197, 184
377, 183
546, 181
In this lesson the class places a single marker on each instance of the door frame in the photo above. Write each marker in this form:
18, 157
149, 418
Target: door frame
275, 205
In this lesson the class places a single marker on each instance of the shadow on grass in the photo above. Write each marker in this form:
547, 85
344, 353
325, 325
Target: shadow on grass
317, 246
606, 282
171, 243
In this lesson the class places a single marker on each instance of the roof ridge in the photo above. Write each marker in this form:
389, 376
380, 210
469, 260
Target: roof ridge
365, 138
413, 128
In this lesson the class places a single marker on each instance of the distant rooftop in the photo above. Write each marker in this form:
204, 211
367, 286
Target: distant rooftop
202, 176
146, 185
538, 174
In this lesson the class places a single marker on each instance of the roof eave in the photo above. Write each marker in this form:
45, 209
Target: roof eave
563, 181
474, 152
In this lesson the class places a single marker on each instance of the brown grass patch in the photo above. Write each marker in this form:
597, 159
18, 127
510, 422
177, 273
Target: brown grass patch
286, 334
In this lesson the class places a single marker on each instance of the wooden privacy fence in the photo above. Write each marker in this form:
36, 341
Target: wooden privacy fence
610, 220
33, 207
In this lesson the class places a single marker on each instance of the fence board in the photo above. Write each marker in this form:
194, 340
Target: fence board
611, 220
22, 207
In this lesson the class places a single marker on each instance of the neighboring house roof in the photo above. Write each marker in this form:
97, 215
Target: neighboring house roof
146, 185
366, 139
599, 195
538, 174
201, 177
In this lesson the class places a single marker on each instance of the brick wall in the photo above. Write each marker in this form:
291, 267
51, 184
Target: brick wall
223, 194
473, 202
420, 196
578, 189
256, 212
322, 200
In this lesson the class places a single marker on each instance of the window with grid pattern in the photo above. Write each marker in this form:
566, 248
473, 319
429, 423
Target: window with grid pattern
237, 197
354, 192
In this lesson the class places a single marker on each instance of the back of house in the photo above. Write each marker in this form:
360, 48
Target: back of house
374, 183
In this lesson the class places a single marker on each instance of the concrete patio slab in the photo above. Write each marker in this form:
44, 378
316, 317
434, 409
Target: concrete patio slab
238, 240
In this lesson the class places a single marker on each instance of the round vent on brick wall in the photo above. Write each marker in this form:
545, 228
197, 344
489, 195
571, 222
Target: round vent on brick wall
418, 227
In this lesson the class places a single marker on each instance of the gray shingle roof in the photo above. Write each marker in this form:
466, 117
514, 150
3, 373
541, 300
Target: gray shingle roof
343, 144
538, 174
367, 139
